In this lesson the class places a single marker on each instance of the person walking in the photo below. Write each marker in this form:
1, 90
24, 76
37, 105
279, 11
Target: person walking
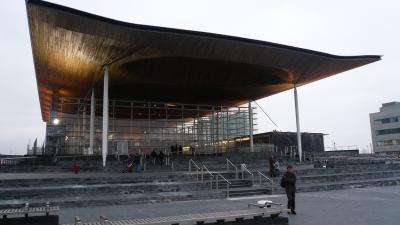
271, 166
288, 182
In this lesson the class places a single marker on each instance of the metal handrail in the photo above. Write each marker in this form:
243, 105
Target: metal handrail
244, 169
227, 183
229, 162
208, 171
266, 178
191, 161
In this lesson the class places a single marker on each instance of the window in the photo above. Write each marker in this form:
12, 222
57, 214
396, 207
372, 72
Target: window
388, 142
388, 120
387, 131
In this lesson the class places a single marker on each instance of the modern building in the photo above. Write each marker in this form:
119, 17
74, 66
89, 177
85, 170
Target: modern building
385, 128
285, 141
311, 142
106, 85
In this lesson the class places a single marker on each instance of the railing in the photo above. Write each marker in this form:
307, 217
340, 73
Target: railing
225, 180
244, 169
203, 167
230, 163
13, 161
263, 176
191, 161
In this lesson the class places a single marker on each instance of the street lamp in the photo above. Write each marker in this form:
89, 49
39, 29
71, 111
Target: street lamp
56, 121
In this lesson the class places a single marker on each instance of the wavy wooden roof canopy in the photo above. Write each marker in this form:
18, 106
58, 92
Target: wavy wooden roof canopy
161, 64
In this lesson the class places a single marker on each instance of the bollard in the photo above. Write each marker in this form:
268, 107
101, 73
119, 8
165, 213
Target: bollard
47, 208
77, 221
103, 220
26, 209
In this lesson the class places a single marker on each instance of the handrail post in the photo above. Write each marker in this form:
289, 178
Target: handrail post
236, 174
217, 181
227, 165
26, 209
211, 182
47, 208
190, 166
77, 221
227, 190
202, 174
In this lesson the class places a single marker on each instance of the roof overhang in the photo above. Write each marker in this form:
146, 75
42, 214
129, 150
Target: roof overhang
150, 63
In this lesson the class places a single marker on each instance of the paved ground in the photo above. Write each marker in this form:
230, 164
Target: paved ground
369, 206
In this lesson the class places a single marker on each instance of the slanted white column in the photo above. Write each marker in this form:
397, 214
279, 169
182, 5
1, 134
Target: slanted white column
92, 115
104, 148
251, 127
296, 105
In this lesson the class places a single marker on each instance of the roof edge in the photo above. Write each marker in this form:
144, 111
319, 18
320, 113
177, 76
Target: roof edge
194, 33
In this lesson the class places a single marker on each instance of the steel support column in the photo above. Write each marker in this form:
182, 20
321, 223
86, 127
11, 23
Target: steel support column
91, 128
251, 127
296, 105
104, 148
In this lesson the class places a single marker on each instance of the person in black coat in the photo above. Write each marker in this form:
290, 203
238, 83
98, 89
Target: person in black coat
289, 183
271, 166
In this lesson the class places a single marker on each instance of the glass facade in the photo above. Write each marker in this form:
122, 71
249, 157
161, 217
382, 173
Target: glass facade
145, 126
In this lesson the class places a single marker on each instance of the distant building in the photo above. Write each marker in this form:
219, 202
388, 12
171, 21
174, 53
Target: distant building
311, 142
385, 128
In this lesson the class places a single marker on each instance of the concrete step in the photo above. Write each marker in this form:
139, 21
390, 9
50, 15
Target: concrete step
234, 184
391, 181
247, 191
322, 178
96, 200
55, 179
348, 176
98, 189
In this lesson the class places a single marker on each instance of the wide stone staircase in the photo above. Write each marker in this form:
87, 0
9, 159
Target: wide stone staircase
184, 178
355, 173
88, 189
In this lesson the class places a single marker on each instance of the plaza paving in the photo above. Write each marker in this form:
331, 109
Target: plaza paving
364, 206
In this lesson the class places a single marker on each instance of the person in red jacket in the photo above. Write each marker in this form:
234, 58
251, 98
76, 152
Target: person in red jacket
76, 168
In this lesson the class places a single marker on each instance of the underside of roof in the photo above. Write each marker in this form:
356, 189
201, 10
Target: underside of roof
150, 63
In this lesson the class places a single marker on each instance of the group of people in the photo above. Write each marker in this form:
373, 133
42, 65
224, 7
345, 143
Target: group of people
133, 162
288, 182
157, 159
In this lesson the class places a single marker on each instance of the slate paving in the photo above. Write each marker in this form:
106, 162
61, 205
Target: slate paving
359, 206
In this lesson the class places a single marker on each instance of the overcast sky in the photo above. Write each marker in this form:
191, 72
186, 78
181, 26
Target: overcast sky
338, 106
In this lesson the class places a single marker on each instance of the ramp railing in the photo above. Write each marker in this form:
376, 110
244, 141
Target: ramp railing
230, 163
219, 175
262, 177
192, 162
204, 168
246, 170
